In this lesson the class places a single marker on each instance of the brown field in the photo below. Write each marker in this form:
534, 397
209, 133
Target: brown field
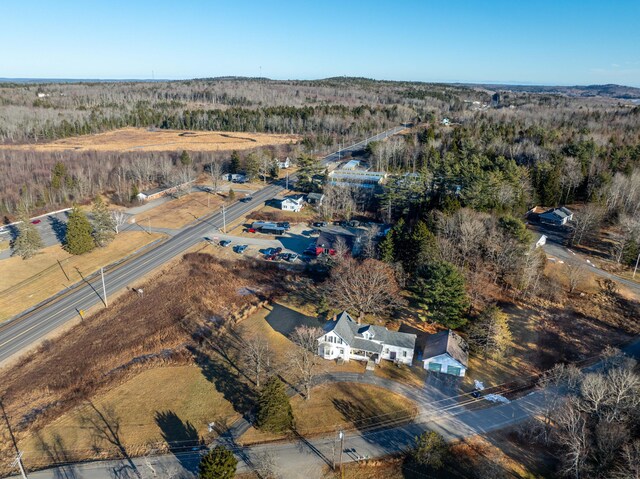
99, 361
140, 139
144, 409
181, 211
342, 406
25, 283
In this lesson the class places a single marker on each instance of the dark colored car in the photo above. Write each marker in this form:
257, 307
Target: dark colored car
476, 394
277, 250
320, 224
241, 248
269, 251
246, 199
35, 222
225, 243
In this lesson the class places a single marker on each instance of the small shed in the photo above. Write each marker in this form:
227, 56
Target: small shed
315, 198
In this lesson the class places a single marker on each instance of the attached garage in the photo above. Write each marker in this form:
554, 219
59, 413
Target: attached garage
437, 367
454, 370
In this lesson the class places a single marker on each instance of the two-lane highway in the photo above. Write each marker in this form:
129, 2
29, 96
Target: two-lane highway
24, 330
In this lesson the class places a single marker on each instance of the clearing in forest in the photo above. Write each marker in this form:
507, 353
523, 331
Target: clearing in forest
141, 139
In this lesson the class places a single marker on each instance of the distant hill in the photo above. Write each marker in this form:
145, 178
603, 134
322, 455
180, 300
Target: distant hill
607, 91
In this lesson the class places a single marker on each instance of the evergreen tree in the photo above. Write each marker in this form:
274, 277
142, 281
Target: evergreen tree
58, 175
490, 333
430, 450
28, 241
185, 159
103, 224
78, 239
439, 290
218, 463
252, 166
386, 248
422, 248
274, 409
134, 192
234, 165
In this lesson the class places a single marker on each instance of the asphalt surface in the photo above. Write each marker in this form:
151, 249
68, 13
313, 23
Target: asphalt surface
23, 330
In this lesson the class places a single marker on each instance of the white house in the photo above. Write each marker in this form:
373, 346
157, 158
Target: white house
235, 177
284, 164
346, 339
292, 204
446, 352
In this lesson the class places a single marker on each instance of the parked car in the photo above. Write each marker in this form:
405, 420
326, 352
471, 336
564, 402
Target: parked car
269, 251
277, 250
225, 243
250, 230
320, 224
284, 224
241, 248
35, 222
291, 257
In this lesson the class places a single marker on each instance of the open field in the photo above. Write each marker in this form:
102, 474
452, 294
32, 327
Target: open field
342, 406
140, 139
170, 404
94, 358
181, 211
24, 283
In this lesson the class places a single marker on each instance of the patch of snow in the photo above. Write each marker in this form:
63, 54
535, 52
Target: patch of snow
245, 292
478, 384
496, 398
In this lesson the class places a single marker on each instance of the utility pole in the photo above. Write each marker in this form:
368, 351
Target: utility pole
341, 436
224, 220
636, 268
104, 289
18, 460
287, 180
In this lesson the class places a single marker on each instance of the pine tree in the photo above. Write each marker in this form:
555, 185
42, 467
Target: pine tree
218, 463
28, 241
274, 409
135, 191
185, 159
490, 333
386, 248
78, 239
103, 224
234, 166
439, 290
252, 166
423, 247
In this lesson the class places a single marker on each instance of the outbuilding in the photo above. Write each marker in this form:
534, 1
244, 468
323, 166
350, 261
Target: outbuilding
446, 352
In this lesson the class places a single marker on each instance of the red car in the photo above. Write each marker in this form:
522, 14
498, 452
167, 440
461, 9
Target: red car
35, 222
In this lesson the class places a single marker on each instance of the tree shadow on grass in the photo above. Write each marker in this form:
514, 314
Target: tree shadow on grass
180, 436
227, 381
105, 427
57, 456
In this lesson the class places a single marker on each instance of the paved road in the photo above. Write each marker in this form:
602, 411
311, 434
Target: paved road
24, 330
555, 247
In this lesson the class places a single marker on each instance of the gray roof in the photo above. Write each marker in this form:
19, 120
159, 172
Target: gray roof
351, 332
315, 196
560, 213
447, 342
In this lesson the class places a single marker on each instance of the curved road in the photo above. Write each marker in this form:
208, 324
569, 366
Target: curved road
22, 331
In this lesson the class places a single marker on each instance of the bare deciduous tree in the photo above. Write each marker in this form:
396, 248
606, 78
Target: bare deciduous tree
587, 222
257, 356
304, 358
576, 274
368, 287
119, 219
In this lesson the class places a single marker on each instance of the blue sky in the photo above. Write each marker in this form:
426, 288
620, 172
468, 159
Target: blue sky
563, 42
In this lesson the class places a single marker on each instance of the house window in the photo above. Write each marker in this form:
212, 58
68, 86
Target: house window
341, 351
340, 340
404, 354
386, 350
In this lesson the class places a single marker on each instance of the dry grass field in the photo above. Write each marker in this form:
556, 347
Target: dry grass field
24, 283
345, 406
140, 139
181, 211
171, 404
99, 361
